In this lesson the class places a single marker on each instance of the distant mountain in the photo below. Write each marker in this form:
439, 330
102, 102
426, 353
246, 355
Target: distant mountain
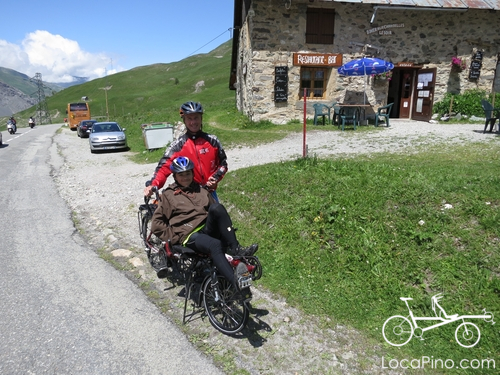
13, 100
18, 91
76, 81
24, 83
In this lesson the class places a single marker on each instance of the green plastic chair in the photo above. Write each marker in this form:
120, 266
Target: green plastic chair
384, 111
336, 113
349, 115
491, 114
321, 110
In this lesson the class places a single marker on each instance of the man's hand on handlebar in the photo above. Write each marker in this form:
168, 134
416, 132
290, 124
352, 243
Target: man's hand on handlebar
212, 184
149, 190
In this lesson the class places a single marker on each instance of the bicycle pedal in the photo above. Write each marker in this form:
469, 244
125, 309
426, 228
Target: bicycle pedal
245, 282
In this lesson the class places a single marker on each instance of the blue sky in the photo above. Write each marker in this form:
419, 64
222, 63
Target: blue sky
90, 38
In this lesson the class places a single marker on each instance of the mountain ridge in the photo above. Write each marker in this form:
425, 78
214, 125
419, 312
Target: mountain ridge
18, 91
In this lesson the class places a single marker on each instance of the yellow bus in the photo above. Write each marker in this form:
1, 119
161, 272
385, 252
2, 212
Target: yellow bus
77, 112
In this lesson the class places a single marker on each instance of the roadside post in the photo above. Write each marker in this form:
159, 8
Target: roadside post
304, 145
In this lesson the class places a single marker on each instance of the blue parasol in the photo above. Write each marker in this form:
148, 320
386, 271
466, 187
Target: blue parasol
365, 66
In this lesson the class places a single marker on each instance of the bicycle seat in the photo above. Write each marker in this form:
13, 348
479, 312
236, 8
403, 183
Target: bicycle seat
443, 315
405, 299
178, 249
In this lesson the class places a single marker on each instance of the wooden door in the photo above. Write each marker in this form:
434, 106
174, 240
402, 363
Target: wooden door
424, 94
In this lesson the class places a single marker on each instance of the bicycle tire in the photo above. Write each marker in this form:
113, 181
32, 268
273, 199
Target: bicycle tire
146, 227
228, 315
468, 334
393, 328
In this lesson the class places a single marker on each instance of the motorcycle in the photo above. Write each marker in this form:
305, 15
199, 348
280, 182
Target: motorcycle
11, 127
31, 123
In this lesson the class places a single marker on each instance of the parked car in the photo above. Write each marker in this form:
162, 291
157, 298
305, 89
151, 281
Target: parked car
107, 136
84, 127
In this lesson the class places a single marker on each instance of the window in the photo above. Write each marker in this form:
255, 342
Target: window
319, 25
314, 81
78, 107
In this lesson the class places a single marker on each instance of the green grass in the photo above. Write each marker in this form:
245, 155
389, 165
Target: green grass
342, 238
227, 130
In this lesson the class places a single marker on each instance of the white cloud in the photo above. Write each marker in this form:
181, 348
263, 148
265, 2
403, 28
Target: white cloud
58, 59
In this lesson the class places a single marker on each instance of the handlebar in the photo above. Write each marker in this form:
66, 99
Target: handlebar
157, 195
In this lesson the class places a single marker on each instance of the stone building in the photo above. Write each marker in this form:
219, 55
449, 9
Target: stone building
285, 49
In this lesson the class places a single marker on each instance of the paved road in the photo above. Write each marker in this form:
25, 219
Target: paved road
63, 309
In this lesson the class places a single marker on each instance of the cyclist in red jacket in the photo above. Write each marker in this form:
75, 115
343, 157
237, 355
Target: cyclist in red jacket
205, 150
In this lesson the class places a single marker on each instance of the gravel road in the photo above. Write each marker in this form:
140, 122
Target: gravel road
104, 191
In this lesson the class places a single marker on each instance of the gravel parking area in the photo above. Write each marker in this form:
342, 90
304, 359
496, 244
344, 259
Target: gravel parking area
104, 191
400, 136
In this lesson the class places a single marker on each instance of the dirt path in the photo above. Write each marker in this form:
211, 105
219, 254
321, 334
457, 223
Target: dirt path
104, 191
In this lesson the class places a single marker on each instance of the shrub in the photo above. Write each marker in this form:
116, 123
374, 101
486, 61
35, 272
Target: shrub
468, 103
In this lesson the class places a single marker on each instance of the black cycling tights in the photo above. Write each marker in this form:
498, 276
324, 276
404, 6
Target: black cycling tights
217, 233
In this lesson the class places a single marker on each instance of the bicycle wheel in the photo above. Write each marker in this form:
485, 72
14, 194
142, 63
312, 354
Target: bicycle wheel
397, 330
469, 332
226, 313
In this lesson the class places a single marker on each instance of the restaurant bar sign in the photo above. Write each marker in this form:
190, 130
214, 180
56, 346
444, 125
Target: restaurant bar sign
317, 59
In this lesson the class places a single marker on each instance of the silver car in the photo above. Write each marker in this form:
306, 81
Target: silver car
107, 136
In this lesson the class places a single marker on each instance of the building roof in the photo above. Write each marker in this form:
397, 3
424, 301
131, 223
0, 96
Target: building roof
450, 4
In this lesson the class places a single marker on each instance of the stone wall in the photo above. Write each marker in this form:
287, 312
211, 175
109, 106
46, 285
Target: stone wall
272, 33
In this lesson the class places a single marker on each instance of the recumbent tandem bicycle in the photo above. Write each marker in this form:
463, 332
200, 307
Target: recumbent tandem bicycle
220, 299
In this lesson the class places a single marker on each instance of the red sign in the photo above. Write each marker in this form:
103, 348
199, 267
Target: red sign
317, 59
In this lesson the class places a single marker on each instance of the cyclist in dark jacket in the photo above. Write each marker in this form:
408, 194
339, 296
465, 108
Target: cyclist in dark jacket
205, 150
188, 215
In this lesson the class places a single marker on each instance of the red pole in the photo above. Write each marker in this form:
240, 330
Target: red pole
304, 146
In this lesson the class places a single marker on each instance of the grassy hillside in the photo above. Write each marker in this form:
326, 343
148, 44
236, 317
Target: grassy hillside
155, 92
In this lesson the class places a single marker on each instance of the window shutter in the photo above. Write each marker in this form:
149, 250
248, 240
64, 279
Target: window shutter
320, 25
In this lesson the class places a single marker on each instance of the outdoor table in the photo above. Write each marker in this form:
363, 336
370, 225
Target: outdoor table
361, 108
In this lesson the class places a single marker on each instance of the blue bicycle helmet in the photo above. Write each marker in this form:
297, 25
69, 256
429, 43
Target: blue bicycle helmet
181, 164
190, 107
